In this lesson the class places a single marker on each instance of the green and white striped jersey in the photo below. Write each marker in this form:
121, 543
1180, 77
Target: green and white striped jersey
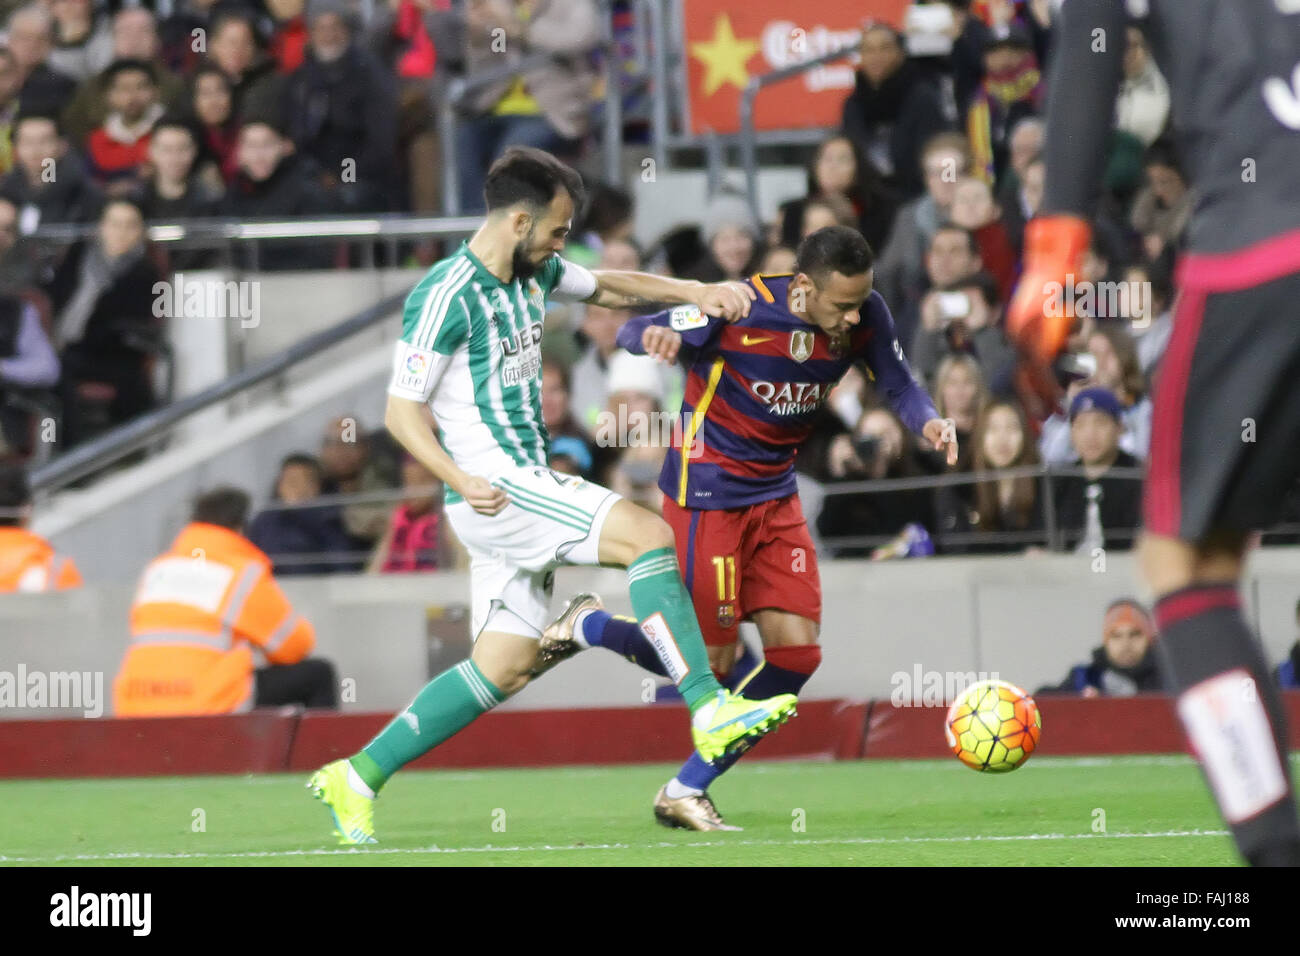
471, 349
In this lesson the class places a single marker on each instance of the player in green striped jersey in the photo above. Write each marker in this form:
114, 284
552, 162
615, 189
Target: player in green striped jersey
471, 351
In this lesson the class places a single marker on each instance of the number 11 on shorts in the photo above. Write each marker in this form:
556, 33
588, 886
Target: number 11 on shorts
725, 567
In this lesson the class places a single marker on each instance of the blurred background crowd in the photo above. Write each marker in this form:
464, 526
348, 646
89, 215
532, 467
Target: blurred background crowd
116, 117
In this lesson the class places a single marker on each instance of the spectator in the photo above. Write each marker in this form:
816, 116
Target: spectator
1142, 109
973, 209
341, 110
191, 19
351, 468
201, 610
590, 382
28, 563
839, 170
900, 270
1118, 370
951, 257
960, 394
30, 40
119, 148
411, 542
1024, 145
83, 43
892, 112
288, 33
105, 328
549, 106
1001, 440
1098, 509
1164, 206
135, 37
27, 361
822, 211
636, 400
557, 415
973, 329
877, 448
779, 261
1155, 322
48, 183
274, 182
608, 218
731, 237
17, 263
1012, 88
212, 102
303, 540
174, 191
1288, 672
1027, 197
417, 41
233, 48
1125, 664
11, 82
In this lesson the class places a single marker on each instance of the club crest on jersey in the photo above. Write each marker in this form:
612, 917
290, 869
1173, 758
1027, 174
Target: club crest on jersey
535, 294
726, 615
801, 346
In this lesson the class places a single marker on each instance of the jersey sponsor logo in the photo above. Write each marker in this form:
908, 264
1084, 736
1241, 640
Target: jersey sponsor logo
791, 398
517, 342
1283, 98
801, 346
746, 340
522, 355
413, 368
687, 317
660, 636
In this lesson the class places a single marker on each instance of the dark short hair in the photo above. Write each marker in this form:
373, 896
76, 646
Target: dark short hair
226, 507
15, 492
830, 249
127, 65
972, 243
34, 115
531, 176
172, 121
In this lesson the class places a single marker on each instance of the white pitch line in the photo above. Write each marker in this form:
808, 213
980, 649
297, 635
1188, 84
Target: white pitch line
547, 848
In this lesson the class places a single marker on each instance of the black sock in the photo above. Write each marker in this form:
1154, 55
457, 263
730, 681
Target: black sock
1232, 712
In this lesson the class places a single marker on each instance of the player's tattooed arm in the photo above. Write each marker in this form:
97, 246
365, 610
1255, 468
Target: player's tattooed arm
730, 300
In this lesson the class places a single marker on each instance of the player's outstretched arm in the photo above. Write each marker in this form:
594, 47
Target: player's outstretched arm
405, 420
616, 289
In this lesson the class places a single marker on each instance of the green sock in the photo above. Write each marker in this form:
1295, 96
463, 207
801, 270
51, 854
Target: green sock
447, 705
667, 618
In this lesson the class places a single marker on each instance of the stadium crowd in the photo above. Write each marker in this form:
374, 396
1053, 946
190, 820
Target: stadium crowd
231, 108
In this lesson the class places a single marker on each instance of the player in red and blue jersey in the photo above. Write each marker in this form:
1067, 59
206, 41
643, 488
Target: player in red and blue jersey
753, 393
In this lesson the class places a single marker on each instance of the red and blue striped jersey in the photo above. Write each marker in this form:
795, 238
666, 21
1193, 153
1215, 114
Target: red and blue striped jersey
754, 389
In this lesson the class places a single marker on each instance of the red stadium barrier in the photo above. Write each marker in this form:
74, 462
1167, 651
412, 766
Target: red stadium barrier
288, 740
142, 747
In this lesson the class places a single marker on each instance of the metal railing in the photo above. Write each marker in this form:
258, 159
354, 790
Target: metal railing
748, 143
109, 448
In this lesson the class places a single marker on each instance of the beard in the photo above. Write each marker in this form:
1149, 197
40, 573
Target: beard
524, 268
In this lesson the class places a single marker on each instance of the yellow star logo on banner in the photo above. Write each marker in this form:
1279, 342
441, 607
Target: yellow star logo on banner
724, 57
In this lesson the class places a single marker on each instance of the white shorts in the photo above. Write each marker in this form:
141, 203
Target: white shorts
552, 519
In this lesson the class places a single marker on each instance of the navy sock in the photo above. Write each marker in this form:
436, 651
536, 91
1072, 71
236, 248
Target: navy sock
768, 682
622, 635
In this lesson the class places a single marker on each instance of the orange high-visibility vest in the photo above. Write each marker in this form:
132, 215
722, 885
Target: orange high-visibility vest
198, 612
28, 563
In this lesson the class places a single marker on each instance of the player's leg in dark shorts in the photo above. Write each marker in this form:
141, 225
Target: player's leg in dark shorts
1225, 433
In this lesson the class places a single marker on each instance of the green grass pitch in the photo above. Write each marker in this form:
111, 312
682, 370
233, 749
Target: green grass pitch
1153, 810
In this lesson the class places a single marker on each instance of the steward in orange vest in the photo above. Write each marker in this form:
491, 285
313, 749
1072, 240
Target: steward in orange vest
199, 613
27, 562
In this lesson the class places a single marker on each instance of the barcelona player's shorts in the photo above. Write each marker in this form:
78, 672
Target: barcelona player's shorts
737, 561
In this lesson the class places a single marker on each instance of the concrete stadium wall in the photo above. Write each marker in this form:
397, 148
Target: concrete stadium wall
1026, 618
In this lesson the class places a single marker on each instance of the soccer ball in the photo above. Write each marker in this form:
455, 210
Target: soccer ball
993, 726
